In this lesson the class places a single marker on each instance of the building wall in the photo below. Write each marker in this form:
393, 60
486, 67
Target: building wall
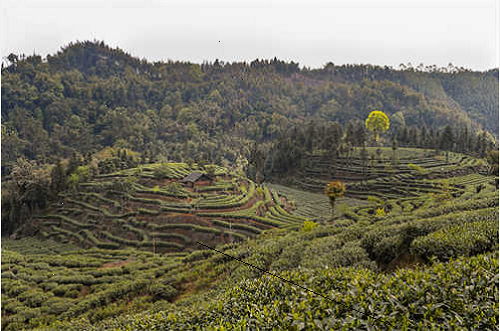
203, 183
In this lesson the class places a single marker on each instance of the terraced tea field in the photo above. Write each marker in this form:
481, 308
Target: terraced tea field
417, 181
315, 205
149, 208
384, 224
45, 280
381, 177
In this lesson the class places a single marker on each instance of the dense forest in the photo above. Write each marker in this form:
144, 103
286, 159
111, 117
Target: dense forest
89, 96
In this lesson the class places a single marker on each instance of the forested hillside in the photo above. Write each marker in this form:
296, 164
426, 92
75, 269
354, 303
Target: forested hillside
89, 96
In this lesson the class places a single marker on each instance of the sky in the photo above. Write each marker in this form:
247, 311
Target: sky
310, 32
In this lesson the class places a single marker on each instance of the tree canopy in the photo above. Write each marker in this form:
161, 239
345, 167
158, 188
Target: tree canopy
378, 123
89, 97
334, 190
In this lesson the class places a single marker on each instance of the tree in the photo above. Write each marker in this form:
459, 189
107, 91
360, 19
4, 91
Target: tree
27, 191
397, 121
364, 158
74, 162
257, 156
334, 190
446, 141
310, 134
492, 159
402, 135
378, 123
394, 149
379, 154
350, 135
423, 138
57, 178
413, 136
360, 135
333, 136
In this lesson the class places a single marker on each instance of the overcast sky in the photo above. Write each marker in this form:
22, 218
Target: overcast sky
310, 32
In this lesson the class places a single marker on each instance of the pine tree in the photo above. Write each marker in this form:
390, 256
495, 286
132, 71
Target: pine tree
423, 138
350, 136
360, 135
394, 148
57, 178
74, 163
403, 136
413, 136
447, 139
310, 134
364, 158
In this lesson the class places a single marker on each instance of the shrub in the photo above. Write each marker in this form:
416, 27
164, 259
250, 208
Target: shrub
417, 169
465, 239
198, 255
16, 290
460, 295
56, 306
320, 252
63, 290
34, 298
380, 212
106, 245
385, 242
49, 286
290, 257
162, 292
162, 172
308, 226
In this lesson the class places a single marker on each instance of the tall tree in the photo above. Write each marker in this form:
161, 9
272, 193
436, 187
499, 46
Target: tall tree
57, 178
378, 123
423, 138
394, 149
334, 190
350, 135
360, 135
447, 139
364, 158
310, 136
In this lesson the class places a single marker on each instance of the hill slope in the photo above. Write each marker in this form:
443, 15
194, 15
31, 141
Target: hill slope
150, 208
426, 260
89, 96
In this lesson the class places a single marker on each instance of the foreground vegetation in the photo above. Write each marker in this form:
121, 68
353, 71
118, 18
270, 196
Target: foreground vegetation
411, 299
430, 261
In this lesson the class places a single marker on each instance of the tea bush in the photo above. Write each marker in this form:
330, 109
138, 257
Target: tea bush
459, 294
465, 239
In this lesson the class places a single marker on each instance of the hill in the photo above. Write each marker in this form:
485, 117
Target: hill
416, 246
89, 96
151, 208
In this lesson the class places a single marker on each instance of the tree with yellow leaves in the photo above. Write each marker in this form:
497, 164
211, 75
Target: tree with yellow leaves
334, 190
378, 123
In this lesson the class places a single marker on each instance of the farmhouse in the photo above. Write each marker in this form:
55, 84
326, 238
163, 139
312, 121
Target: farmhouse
197, 178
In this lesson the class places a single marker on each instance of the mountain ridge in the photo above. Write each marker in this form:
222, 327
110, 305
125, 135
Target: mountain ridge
90, 96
